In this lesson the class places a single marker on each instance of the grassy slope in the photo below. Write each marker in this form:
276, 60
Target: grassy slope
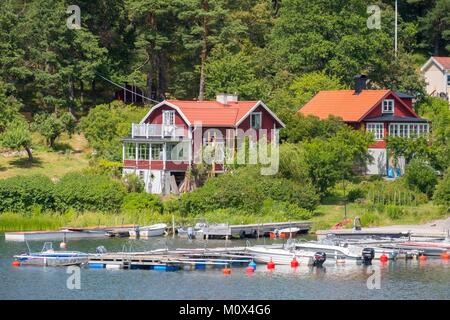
69, 155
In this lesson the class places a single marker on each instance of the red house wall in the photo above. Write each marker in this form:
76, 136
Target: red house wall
267, 122
399, 109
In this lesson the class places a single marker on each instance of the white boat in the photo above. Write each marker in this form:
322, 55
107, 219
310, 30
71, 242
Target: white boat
49, 257
149, 231
280, 254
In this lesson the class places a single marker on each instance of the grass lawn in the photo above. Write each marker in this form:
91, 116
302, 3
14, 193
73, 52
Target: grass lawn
68, 155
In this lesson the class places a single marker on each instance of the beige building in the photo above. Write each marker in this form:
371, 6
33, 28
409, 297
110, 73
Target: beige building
436, 72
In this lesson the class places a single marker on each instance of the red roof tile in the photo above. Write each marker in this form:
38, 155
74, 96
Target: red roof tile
343, 103
443, 61
213, 113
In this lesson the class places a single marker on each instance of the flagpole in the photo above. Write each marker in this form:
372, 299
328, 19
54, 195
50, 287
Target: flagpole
396, 26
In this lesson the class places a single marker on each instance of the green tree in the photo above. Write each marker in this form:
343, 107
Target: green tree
442, 194
9, 107
421, 176
17, 136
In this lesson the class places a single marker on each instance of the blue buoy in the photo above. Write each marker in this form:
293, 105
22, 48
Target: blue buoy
399, 172
96, 265
390, 173
252, 264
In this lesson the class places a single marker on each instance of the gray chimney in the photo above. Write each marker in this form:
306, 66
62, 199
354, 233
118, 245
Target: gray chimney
360, 83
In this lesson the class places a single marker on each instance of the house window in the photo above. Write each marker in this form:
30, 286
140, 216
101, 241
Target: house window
141, 174
377, 129
388, 106
143, 151
169, 117
448, 80
410, 130
130, 151
157, 151
255, 120
177, 151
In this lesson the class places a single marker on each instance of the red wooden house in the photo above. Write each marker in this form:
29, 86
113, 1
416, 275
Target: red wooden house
168, 139
382, 112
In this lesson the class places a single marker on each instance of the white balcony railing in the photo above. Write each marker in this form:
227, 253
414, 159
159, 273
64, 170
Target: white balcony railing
157, 131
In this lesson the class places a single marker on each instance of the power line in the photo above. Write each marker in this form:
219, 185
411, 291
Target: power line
124, 88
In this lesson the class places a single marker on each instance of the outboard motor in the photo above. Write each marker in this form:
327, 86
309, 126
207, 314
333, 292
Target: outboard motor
319, 259
100, 249
367, 255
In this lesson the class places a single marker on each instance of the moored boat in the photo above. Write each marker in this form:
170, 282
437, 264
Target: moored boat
149, 231
49, 257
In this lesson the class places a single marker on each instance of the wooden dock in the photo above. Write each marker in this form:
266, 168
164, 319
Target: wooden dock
251, 230
162, 260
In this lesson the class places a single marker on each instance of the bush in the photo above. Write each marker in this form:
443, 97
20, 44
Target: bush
22, 192
142, 201
442, 193
89, 192
133, 183
369, 219
356, 193
245, 190
394, 212
421, 176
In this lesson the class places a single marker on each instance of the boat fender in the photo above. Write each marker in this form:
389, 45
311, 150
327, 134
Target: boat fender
294, 263
444, 255
367, 255
383, 258
16, 264
319, 259
270, 265
252, 264
63, 245
226, 271
249, 269
422, 258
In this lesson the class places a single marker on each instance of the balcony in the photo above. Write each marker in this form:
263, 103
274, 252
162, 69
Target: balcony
145, 130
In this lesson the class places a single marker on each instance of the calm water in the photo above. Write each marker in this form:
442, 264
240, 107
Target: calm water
399, 280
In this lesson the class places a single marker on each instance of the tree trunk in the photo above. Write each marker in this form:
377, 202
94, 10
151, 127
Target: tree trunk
162, 82
94, 92
71, 95
204, 53
151, 54
30, 155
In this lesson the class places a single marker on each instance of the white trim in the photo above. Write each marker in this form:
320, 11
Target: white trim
260, 119
432, 59
166, 103
260, 103
393, 106
374, 127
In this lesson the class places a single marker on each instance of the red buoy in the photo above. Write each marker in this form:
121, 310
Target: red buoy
249, 269
422, 258
383, 258
294, 263
16, 264
444, 255
226, 271
270, 265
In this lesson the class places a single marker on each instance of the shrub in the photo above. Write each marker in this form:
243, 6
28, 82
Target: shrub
245, 190
394, 212
355, 193
22, 192
142, 201
369, 219
442, 193
421, 176
133, 183
89, 192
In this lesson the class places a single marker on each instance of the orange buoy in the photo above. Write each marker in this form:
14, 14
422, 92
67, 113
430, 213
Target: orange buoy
383, 258
270, 265
422, 258
249, 269
294, 263
16, 264
226, 271
444, 255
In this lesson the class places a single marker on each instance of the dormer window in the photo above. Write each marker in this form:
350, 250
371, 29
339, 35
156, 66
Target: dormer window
388, 106
255, 120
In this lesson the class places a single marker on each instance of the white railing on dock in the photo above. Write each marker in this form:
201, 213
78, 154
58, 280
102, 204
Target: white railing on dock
157, 131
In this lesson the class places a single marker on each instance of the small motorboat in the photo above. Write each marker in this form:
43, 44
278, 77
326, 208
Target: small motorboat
285, 233
149, 231
49, 257
282, 254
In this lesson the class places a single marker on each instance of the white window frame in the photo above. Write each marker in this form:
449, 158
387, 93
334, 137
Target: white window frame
383, 106
377, 128
260, 119
171, 117
408, 129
